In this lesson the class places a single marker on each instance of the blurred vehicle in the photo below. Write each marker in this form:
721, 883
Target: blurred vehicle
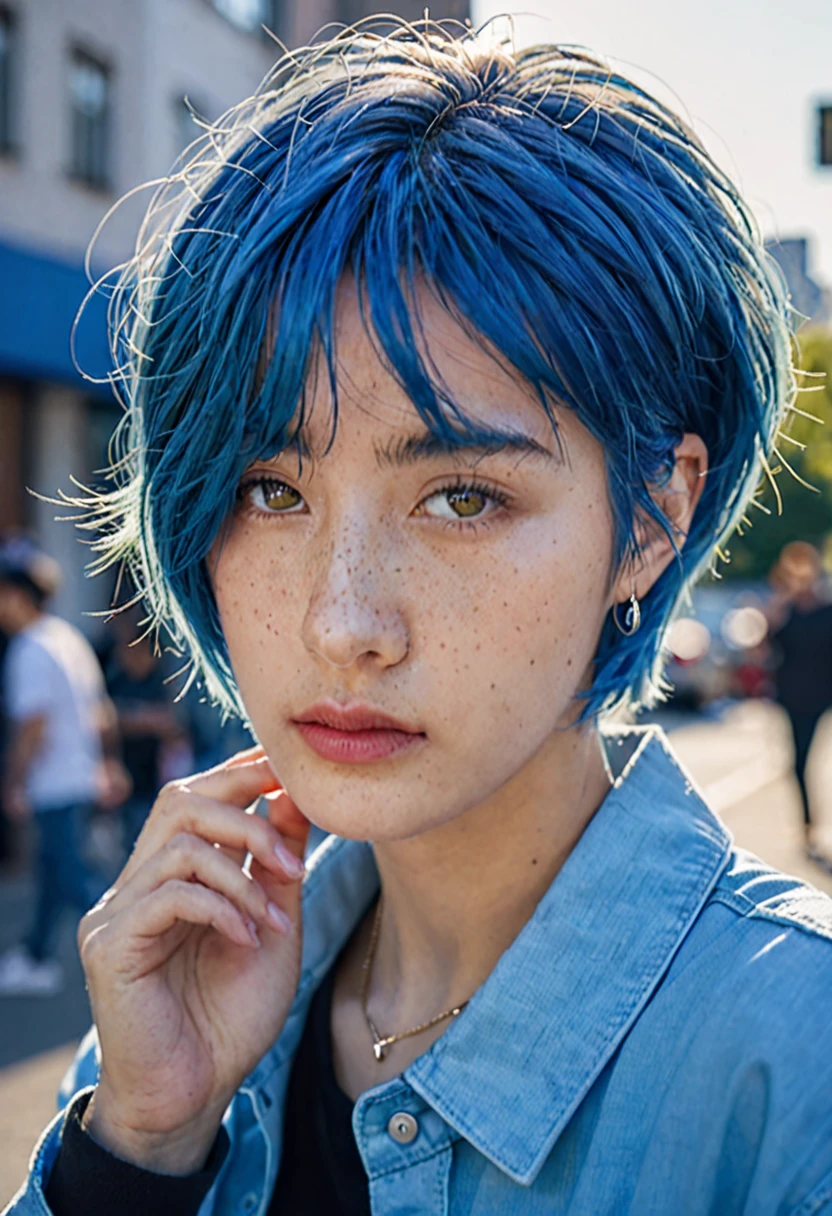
718, 651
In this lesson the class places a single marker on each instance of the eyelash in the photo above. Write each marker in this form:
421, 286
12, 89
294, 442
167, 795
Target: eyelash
493, 493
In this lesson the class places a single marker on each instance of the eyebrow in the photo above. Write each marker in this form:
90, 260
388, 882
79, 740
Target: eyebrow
408, 450
413, 449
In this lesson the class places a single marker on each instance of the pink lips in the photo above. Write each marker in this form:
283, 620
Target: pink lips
355, 734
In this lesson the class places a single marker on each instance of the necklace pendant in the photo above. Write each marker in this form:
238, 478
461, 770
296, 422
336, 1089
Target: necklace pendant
380, 1049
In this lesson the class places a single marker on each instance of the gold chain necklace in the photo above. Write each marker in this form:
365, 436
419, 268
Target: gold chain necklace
382, 1042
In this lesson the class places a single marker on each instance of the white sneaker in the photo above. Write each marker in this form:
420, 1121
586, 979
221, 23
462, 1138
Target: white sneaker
21, 975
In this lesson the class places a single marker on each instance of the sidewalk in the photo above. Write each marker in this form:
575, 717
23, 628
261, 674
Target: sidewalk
743, 766
741, 763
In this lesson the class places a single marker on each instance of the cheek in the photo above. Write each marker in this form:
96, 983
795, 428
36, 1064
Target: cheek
254, 599
511, 627
510, 639
548, 620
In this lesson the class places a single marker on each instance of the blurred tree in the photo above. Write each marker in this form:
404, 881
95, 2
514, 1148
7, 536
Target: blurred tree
804, 444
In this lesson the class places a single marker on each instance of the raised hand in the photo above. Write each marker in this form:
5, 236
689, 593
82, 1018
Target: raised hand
192, 964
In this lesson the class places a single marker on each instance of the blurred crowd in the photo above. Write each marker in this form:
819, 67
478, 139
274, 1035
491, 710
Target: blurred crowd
87, 738
89, 735
772, 640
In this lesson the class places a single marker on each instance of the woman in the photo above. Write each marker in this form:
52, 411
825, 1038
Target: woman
447, 369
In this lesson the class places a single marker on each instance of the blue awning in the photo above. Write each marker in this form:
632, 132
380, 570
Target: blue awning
39, 298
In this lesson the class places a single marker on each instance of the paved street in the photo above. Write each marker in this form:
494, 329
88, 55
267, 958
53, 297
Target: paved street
741, 762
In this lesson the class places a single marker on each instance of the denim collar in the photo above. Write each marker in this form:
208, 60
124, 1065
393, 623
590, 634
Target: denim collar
538, 1032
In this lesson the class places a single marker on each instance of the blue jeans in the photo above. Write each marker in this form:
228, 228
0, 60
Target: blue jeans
64, 878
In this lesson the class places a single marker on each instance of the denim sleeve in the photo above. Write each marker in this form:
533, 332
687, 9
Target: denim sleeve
81, 1076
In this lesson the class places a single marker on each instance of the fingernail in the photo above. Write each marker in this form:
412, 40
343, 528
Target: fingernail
255, 936
291, 864
278, 918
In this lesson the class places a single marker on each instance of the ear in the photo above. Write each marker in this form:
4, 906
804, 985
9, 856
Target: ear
678, 500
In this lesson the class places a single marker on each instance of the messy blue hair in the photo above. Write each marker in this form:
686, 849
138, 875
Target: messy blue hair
573, 224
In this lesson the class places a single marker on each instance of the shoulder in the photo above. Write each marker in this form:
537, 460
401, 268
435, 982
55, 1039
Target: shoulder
61, 635
763, 926
28, 662
738, 1034
763, 894
755, 970
24, 644
68, 648
39, 640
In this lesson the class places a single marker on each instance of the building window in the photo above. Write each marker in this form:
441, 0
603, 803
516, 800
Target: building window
825, 135
89, 89
187, 129
251, 15
7, 67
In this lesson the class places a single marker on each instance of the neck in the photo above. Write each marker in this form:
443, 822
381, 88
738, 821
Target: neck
456, 897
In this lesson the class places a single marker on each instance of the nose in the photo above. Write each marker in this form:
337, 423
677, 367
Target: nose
353, 614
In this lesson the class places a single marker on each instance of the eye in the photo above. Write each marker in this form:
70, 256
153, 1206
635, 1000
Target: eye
269, 495
465, 502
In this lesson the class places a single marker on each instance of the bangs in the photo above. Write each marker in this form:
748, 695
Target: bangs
573, 226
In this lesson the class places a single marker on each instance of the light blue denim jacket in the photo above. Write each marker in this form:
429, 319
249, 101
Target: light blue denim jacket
657, 1039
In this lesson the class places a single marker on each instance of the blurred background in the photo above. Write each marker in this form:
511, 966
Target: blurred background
100, 96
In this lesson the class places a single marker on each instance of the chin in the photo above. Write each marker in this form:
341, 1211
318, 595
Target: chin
365, 828
378, 826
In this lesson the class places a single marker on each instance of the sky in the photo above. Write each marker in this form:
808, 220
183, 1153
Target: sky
747, 75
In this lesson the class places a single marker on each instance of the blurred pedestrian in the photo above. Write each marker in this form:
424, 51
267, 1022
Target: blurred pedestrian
801, 636
148, 722
58, 711
7, 850
752, 675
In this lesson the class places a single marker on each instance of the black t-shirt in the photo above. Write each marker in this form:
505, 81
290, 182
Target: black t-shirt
321, 1169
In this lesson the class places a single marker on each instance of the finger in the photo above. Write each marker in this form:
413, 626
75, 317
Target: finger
217, 823
191, 859
244, 757
218, 786
286, 817
240, 855
177, 900
239, 781
289, 820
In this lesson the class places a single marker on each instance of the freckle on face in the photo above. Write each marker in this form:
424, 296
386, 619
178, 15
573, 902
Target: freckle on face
503, 603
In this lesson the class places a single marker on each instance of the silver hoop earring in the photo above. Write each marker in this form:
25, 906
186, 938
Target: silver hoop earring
632, 617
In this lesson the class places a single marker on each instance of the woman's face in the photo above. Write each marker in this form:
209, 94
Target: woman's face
463, 593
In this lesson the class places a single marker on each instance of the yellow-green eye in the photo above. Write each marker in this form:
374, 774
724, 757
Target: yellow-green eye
269, 494
467, 502
463, 501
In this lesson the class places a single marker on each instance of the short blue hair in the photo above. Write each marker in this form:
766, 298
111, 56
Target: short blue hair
565, 217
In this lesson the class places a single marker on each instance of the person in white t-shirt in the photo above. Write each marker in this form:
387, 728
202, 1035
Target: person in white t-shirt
58, 710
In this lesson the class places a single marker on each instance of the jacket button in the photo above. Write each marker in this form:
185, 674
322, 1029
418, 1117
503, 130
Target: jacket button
403, 1127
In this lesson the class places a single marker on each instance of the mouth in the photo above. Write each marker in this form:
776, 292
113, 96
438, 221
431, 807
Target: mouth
356, 733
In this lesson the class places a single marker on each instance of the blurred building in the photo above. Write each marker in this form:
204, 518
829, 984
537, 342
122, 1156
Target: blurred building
93, 103
807, 296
